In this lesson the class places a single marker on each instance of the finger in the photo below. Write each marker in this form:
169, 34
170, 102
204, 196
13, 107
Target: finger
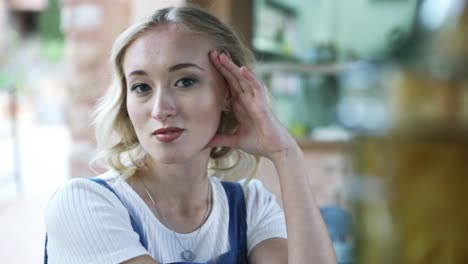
222, 141
250, 78
236, 72
230, 78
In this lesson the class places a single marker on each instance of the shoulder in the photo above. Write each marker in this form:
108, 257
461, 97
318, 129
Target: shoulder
82, 189
79, 197
256, 192
265, 218
87, 221
75, 188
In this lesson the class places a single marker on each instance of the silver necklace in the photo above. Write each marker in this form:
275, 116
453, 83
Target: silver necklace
187, 254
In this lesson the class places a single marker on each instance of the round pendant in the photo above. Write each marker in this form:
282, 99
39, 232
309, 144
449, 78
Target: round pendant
187, 255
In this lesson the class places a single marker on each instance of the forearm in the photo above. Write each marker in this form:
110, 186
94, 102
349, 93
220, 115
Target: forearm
308, 240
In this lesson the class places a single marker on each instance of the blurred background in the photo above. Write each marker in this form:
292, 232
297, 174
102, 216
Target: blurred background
375, 92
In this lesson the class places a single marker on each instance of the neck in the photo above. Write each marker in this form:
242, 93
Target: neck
179, 186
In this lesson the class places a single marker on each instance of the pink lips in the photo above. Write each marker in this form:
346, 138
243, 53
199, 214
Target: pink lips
168, 134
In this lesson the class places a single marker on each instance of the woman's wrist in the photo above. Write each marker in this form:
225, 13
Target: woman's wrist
284, 156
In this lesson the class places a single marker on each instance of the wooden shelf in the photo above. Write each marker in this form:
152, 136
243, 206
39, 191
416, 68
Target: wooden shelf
307, 144
333, 68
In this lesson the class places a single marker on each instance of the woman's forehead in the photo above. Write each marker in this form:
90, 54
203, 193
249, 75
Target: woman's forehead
167, 44
173, 37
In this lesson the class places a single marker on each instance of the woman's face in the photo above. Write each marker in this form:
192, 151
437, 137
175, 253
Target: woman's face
174, 94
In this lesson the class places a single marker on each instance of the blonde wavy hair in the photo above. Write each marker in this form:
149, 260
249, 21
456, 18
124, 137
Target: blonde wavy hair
119, 148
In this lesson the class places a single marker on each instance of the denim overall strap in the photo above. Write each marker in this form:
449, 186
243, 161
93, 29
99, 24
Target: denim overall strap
237, 220
46, 258
135, 226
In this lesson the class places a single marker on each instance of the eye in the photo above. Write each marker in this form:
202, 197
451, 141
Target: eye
140, 88
185, 82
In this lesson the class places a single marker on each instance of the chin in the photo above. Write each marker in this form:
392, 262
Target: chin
172, 158
179, 157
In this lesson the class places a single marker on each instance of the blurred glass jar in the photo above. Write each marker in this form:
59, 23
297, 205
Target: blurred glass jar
410, 157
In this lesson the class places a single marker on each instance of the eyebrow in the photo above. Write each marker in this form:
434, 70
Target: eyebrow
184, 65
171, 69
138, 72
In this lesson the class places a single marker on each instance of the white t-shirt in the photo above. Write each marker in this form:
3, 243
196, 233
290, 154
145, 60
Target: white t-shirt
86, 223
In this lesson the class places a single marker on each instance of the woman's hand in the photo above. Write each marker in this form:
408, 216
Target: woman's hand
260, 132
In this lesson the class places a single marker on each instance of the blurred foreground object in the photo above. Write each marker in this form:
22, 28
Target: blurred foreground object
411, 171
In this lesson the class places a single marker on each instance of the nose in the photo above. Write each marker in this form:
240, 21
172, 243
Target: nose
164, 106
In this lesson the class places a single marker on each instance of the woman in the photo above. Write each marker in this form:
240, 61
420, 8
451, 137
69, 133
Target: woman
180, 104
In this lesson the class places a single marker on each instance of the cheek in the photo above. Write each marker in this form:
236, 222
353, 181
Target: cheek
218, 91
207, 110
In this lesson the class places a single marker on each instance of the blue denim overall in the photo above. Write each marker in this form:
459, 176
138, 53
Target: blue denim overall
237, 226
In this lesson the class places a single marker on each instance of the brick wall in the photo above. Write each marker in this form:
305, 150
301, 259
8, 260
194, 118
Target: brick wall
142, 8
90, 27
